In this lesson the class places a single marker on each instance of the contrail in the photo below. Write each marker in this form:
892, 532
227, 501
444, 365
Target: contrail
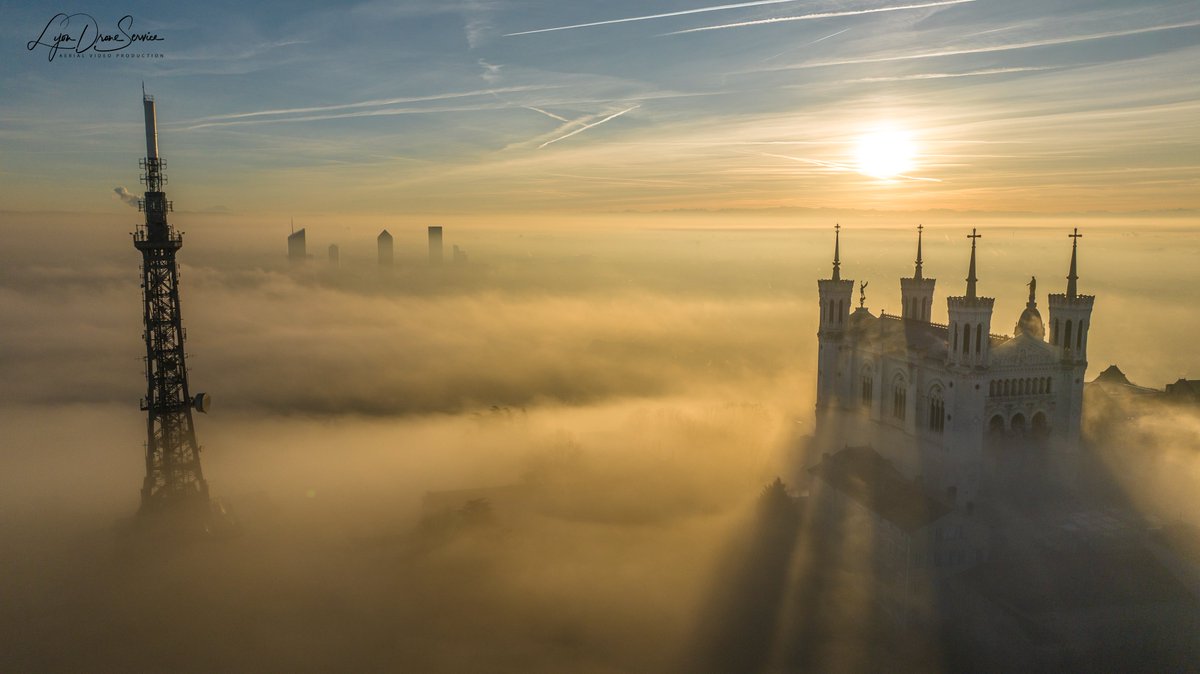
698, 10
806, 44
820, 15
548, 114
588, 126
368, 104
805, 160
938, 76
984, 50
385, 112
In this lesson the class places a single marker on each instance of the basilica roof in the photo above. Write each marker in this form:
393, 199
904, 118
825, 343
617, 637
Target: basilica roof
1024, 349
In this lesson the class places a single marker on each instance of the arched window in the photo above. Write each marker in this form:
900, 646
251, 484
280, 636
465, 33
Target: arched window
1018, 423
954, 338
967, 338
899, 399
1067, 337
996, 425
1079, 337
978, 336
831, 314
937, 410
924, 308
868, 389
1054, 332
1039, 425
1005, 386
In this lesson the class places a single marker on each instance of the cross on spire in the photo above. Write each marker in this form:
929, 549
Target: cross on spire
917, 275
1072, 277
971, 272
837, 241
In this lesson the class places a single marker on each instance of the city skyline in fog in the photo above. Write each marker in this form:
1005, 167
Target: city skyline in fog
514, 111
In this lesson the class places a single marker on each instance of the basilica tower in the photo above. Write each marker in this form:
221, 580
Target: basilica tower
1070, 321
970, 321
834, 294
916, 293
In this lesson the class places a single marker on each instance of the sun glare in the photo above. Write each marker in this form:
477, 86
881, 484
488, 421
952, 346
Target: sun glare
885, 154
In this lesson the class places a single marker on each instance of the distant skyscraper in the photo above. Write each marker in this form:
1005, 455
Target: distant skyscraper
459, 255
384, 243
334, 254
435, 244
296, 247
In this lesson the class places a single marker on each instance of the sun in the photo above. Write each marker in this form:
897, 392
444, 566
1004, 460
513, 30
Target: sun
885, 153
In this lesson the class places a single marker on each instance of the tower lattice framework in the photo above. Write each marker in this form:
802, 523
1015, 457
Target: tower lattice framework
173, 474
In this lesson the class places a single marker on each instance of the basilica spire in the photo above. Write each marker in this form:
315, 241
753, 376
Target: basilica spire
837, 233
971, 280
1072, 277
917, 274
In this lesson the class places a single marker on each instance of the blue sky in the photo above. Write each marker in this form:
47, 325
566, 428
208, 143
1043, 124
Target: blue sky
456, 107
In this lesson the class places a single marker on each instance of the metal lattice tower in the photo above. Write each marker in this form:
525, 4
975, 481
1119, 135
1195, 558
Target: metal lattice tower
173, 475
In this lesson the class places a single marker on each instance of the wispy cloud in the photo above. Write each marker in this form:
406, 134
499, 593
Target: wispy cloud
476, 23
588, 126
491, 71
1070, 39
818, 15
843, 168
648, 17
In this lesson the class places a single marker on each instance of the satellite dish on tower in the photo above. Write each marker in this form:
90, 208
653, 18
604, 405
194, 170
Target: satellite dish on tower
202, 402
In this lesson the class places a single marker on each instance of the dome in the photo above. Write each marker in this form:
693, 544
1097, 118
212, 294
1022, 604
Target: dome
1030, 323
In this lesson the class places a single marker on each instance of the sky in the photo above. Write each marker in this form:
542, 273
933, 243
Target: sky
497, 111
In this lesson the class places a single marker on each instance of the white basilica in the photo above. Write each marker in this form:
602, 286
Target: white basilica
959, 410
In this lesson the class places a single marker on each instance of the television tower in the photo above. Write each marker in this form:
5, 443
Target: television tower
173, 477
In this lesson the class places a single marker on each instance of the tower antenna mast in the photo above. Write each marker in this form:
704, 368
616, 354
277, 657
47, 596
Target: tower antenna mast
173, 479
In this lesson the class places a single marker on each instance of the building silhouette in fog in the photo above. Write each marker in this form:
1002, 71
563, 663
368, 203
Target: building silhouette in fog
297, 251
435, 244
953, 406
384, 245
334, 254
459, 256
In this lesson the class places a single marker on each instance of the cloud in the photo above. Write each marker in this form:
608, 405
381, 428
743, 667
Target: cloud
491, 72
126, 196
